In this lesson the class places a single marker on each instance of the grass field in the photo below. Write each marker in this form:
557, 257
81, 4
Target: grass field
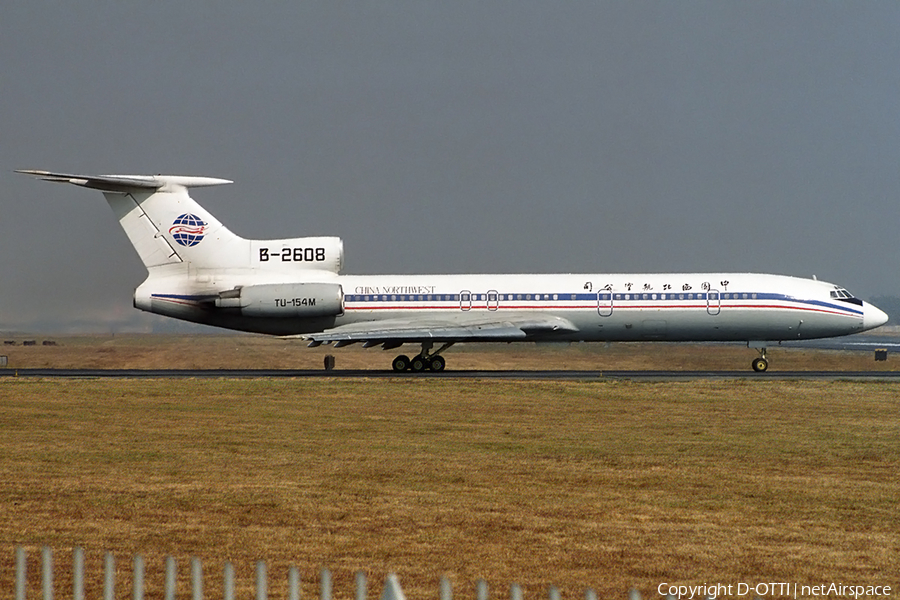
254, 351
606, 485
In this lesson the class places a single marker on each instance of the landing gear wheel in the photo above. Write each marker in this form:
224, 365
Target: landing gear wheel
760, 364
420, 363
400, 364
438, 363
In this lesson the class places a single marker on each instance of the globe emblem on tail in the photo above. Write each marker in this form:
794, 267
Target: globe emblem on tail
188, 229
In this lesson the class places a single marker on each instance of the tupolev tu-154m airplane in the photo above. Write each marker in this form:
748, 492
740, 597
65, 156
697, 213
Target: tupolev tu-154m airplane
200, 271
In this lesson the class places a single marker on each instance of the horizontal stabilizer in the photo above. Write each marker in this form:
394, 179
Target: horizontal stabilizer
126, 183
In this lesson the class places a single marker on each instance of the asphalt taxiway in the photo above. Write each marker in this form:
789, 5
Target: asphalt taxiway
531, 375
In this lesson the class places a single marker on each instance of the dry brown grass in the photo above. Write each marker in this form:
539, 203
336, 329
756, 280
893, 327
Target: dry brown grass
607, 484
254, 352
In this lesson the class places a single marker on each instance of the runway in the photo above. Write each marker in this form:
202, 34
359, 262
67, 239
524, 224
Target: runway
523, 375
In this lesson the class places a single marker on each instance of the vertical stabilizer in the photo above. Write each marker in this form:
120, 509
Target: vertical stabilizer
168, 226
164, 224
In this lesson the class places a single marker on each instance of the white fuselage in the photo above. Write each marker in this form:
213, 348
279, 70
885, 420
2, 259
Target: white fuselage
603, 307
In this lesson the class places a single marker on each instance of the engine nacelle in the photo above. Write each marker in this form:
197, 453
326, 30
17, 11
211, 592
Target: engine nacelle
285, 300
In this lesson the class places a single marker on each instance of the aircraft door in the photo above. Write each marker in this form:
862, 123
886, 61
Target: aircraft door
465, 300
713, 302
605, 303
493, 300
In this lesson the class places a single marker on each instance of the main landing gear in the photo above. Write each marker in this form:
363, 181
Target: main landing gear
424, 361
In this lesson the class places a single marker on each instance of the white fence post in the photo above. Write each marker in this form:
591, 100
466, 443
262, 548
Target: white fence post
138, 581
293, 584
515, 592
590, 594
261, 587
325, 585
553, 593
171, 578
446, 589
20, 573
360, 585
482, 589
228, 584
47, 572
196, 579
109, 577
392, 589
78, 574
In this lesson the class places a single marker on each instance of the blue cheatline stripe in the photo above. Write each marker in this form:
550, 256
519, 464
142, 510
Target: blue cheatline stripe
663, 300
621, 300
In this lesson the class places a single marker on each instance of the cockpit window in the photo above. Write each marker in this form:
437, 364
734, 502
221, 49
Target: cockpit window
844, 295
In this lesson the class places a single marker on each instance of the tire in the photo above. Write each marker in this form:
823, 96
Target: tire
400, 364
419, 363
760, 365
438, 363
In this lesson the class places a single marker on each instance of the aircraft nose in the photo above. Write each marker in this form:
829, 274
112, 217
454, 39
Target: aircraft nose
873, 316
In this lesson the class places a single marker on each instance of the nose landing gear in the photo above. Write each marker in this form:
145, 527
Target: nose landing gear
760, 364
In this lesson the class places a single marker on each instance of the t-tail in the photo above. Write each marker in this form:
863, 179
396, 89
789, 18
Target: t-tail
167, 227
196, 265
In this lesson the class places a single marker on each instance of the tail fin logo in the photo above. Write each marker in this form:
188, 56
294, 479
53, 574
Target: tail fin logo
188, 230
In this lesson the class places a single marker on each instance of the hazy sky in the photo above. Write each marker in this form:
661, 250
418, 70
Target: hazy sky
458, 136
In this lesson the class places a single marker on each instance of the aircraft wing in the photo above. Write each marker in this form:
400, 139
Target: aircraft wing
457, 328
